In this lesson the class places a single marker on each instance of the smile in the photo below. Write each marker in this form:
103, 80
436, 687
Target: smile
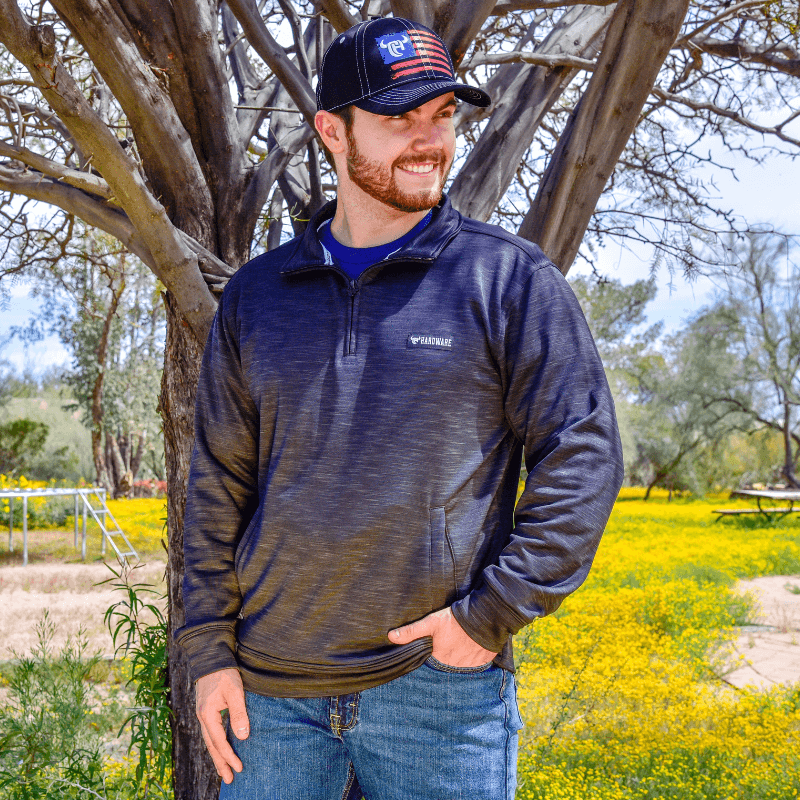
419, 169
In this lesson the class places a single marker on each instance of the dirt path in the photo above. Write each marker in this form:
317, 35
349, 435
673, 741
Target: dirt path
768, 651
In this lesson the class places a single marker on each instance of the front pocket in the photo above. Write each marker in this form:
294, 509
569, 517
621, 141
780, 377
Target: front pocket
444, 590
438, 666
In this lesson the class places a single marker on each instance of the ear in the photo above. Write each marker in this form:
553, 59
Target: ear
331, 131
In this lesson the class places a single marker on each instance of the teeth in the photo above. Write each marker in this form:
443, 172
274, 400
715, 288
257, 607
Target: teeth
418, 168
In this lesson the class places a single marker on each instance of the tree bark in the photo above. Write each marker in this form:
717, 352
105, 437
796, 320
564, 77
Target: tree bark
639, 37
194, 776
456, 21
518, 111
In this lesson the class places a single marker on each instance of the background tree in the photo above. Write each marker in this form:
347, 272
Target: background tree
105, 306
743, 350
21, 441
123, 114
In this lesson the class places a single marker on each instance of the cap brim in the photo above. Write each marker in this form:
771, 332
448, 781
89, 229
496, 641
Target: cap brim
413, 94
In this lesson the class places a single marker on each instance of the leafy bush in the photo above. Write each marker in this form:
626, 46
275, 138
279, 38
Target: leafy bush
21, 441
47, 747
145, 646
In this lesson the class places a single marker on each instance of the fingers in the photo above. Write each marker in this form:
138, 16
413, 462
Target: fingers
215, 693
240, 722
416, 630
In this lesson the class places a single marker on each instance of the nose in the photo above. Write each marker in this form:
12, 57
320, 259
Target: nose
427, 135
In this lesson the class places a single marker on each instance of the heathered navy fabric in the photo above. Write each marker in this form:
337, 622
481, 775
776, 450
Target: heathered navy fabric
357, 454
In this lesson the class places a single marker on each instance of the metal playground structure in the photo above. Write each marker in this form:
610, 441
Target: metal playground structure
84, 508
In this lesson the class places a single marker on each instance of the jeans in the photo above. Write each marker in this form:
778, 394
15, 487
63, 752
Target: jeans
437, 733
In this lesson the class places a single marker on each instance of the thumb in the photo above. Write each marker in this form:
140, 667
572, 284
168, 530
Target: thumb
416, 630
240, 722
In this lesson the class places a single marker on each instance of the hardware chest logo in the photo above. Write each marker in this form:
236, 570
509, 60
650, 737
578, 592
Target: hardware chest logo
421, 340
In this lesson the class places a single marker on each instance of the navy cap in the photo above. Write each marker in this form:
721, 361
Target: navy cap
389, 66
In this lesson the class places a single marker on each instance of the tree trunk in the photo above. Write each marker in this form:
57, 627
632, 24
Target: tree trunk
136, 459
99, 458
194, 776
788, 460
637, 42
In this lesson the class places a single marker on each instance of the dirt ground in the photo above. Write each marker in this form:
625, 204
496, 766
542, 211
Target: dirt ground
767, 651
72, 597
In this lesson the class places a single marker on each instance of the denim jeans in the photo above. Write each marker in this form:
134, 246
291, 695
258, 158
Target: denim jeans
437, 733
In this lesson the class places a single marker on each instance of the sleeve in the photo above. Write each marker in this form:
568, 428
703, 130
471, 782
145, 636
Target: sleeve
221, 497
558, 403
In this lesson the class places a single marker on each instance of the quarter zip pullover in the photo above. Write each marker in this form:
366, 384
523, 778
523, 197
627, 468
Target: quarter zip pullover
358, 447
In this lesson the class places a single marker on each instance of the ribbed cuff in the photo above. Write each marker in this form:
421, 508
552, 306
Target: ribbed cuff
486, 618
208, 650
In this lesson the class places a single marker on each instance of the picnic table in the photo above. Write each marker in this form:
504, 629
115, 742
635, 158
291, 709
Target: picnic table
789, 496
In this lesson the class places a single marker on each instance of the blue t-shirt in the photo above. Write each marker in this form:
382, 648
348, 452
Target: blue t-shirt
354, 260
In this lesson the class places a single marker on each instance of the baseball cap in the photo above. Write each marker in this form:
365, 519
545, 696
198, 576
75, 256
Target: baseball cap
388, 66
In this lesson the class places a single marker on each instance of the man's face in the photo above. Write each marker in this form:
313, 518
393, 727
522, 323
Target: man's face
403, 161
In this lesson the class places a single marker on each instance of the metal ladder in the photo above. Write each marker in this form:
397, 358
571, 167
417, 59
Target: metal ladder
122, 547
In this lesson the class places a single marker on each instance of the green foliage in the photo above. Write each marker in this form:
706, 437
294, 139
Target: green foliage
145, 645
66, 455
21, 441
47, 749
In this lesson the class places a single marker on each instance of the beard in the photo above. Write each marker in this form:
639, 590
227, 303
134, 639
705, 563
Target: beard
378, 181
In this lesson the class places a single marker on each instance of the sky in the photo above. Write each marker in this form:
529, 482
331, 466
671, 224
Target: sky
763, 194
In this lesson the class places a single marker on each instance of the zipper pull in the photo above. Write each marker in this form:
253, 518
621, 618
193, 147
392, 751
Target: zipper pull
353, 288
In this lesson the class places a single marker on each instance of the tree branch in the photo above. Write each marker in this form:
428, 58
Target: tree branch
176, 265
161, 139
73, 200
222, 146
86, 181
727, 13
274, 57
509, 6
338, 15
729, 114
638, 40
519, 110
522, 57
743, 52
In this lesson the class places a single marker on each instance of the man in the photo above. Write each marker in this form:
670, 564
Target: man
354, 560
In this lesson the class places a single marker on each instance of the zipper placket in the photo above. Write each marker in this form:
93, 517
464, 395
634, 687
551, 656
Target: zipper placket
353, 288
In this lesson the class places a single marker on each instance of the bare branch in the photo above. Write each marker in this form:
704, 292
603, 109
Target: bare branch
338, 15
522, 57
77, 202
638, 40
222, 147
728, 13
161, 138
775, 130
519, 110
743, 52
176, 264
86, 181
274, 56
509, 6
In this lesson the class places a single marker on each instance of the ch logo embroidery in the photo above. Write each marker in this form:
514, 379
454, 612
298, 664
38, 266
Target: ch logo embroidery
394, 47
428, 341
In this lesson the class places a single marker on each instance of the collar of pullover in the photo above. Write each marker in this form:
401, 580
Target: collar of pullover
426, 247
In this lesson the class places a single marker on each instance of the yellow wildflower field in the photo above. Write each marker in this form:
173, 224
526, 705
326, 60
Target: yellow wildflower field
622, 690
